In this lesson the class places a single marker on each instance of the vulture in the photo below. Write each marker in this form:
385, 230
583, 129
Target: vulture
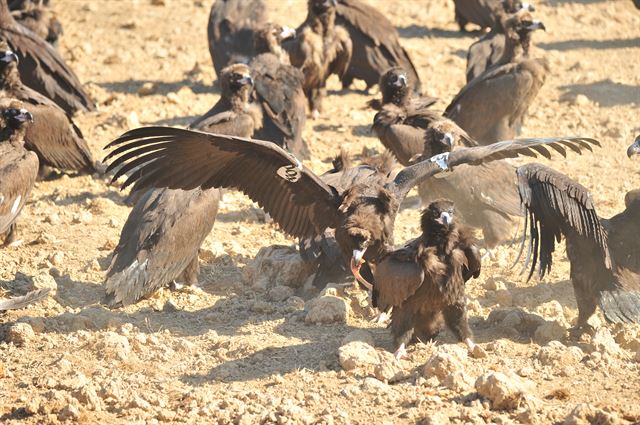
321, 48
160, 240
491, 106
486, 196
53, 136
41, 67
486, 13
37, 16
18, 171
23, 301
423, 282
376, 44
230, 31
604, 254
361, 207
488, 50
278, 90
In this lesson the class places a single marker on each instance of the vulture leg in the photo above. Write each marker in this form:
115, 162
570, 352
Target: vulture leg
455, 317
461, 20
587, 304
10, 237
383, 317
402, 328
189, 276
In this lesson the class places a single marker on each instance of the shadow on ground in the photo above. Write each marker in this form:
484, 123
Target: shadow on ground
606, 93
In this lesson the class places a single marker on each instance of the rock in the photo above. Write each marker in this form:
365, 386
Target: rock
53, 219
458, 381
276, 265
504, 297
557, 354
446, 360
603, 342
295, 303
140, 403
262, 307
494, 284
69, 413
132, 120
327, 309
20, 333
581, 100
389, 369
505, 391
552, 310
45, 281
549, 331
110, 345
436, 418
358, 335
147, 89
88, 397
57, 258
586, 414
357, 354
279, 293
373, 385
83, 217
479, 352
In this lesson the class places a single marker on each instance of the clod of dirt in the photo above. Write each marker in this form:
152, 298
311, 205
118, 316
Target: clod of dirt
558, 355
112, 346
276, 265
88, 397
357, 354
279, 293
549, 331
358, 335
389, 369
435, 418
603, 342
458, 381
327, 309
45, 281
446, 360
586, 414
505, 391
20, 334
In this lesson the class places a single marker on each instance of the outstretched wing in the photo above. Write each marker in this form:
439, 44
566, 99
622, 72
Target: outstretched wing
184, 159
417, 173
555, 206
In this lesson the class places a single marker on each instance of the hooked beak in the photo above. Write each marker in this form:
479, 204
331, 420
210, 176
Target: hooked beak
9, 56
634, 149
448, 140
401, 81
287, 32
24, 116
246, 80
528, 6
356, 263
536, 25
445, 218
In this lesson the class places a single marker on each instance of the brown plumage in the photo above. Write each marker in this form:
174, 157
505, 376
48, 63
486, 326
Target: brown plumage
160, 240
320, 49
425, 280
41, 67
486, 13
53, 135
376, 44
24, 300
18, 170
231, 29
37, 16
278, 89
604, 253
491, 106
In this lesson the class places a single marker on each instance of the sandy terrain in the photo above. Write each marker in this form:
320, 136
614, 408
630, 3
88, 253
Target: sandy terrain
237, 351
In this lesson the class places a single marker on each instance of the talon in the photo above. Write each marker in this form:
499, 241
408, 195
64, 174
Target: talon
175, 286
381, 318
400, 352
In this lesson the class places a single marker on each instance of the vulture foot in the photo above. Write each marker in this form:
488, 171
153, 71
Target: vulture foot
315, 114
381, 318
576, 332
400, 352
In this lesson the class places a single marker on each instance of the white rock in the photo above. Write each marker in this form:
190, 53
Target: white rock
45, 281
357, 354
552, 310
436, 418
603, 342
505, 391
446, 360
389, 369
458, 381
494, 284
327, 309
557, 354
57, 258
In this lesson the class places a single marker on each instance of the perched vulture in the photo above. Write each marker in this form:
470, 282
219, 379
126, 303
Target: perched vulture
321, 48
278, 89
159, 242
230, 31
24, 300
18, 171
376, 44
53, 135
41, 67
491, 106
362, 209
486, 13
488, 50
604, 254
37, 16
424, 280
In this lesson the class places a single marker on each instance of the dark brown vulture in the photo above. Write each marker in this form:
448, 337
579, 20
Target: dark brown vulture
491, 106
604, 253
159, 242
320, 49
18, 171
486, 13
278, 89
41, 67
424, 280
53, 135
230, 31
37, 16
362, 210
376, 44
24, 300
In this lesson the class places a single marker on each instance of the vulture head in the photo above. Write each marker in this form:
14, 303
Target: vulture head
513, 6
437, 219
8, 59
319, 7
236, 80
634, 149
16, 117
395, 86
519, 26
270, 37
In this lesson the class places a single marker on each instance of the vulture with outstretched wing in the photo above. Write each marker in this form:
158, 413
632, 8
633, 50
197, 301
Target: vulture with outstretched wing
41, 67
604, 253
376, 44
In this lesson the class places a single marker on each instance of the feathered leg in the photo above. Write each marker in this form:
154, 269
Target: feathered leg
189, 276
401, 329
587, 304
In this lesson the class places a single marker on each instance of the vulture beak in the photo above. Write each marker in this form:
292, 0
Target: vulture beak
528, 6
287, 32
448, 139
24, 116
356, 263
9, 56
536, 25
401, 81
330, 3
445, 218
634, 149
246, 80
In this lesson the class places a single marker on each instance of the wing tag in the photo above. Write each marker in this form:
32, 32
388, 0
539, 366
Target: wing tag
441, 160
290, 173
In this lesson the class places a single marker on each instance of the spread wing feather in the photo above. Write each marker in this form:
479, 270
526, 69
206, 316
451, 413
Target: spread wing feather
23, 301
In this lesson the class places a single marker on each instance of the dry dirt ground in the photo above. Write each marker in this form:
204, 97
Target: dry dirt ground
239, 350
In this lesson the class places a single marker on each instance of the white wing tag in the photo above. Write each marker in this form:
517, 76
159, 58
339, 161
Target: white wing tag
441, 160
290, 173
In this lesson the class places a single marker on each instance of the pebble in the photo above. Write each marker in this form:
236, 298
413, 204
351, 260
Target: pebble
357, 354
57, 258
147, 89
549, 331
446, 360
603, 342
111, 345
20, 333
327, 309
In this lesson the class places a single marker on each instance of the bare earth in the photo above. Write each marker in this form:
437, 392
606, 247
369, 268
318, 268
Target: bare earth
235, 350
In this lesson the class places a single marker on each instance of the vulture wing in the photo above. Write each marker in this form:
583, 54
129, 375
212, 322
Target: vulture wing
293, 195
23, 301
397, 277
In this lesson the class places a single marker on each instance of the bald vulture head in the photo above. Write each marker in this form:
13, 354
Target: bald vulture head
236, 80
437, 219
16, 117
634, 148
395, 86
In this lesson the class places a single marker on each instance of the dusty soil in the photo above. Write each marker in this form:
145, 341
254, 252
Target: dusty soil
227, 352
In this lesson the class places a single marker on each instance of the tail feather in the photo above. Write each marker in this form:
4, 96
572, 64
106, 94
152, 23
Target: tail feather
128, 286
23, 301
621, 306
